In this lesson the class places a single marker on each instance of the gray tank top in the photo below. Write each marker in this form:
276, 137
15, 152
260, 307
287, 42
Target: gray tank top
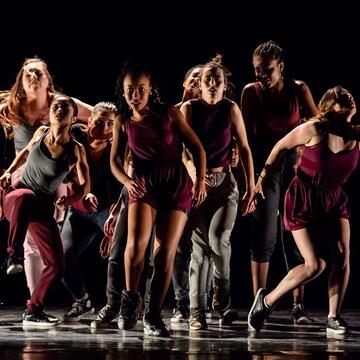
23, 133
43, 174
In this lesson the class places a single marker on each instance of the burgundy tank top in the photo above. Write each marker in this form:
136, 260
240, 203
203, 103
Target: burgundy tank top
275, 119
212, 124
153, 139
321, 167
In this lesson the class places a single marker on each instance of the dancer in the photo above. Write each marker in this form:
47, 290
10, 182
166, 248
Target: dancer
29, 203
159, 192
272, 106
316, 208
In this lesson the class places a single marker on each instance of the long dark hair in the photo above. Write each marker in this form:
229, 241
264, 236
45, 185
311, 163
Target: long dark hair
135, 68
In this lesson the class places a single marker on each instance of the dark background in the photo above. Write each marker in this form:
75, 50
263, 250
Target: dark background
85, 46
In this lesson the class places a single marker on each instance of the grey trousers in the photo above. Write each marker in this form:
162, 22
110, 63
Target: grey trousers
212, 223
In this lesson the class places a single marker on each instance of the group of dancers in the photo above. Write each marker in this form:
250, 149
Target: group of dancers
154, 184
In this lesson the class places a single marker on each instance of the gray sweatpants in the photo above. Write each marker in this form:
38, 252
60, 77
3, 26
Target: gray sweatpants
212, 223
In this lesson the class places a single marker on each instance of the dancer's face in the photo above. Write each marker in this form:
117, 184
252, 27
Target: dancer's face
137, 91
101, 125
268, 71
35, 77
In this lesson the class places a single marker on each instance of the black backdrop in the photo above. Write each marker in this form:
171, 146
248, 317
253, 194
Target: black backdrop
86, 45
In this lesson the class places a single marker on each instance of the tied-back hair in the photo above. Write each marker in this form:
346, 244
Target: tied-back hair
188, 73
270, 50
135, 68
12, 100
216, 62
68, 98
105, 106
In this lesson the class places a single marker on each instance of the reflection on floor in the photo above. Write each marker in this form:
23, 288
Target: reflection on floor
278, 340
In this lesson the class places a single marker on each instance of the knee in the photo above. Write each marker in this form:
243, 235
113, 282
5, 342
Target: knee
220, 244
134, 251
314, 268
262, 252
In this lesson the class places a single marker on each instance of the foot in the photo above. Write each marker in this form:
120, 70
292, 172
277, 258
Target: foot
128, 310
155, 326
14, 264
181, 312
258, 312
107, 314
229, 316
40, 320
197, 320
79, 309
336, 325
299, 315
221, 296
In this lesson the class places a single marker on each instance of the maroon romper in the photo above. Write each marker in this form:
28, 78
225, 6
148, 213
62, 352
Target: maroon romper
156, 149
315, 194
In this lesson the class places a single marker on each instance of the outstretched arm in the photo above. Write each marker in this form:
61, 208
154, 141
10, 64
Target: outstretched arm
20, 159
301, 135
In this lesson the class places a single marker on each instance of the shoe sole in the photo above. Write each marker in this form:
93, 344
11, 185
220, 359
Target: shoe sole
32, 324
229, 318
121, 326
14, 269
148, 332
77, 318
175, 320
98, 325
251, 328
303, 321
333, 331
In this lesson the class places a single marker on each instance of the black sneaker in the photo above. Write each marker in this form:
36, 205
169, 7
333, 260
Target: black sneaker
40, 320
197, 320
299, 315
128, 310
181, 312
336, 325
107, 314
258, 312
78, 310
229, 316
14, 264
221, 296
155, 326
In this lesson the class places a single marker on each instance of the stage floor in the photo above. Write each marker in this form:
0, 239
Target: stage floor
278, 340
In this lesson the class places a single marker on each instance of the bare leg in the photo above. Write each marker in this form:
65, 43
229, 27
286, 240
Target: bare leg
168, 232
340, 270
259, 272
300, 274
140, 223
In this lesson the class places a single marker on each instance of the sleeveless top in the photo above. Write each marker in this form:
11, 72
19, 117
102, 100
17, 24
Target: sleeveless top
153, 139
320, 167
23, 133
43, 174
212, 124
270, 122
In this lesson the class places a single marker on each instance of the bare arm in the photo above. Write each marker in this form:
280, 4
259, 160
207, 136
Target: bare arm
21, 157
245, 155
182, 119
84, 110
135, 188
301, 135
83, 179
308, 107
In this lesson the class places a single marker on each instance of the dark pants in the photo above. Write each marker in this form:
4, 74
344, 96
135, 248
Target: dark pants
267, 219
27, 211
78, 232
115, 273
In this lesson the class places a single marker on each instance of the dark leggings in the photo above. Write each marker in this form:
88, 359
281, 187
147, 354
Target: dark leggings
267, 224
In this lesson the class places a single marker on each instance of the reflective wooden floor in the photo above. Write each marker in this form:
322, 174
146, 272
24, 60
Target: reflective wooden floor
278, 340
